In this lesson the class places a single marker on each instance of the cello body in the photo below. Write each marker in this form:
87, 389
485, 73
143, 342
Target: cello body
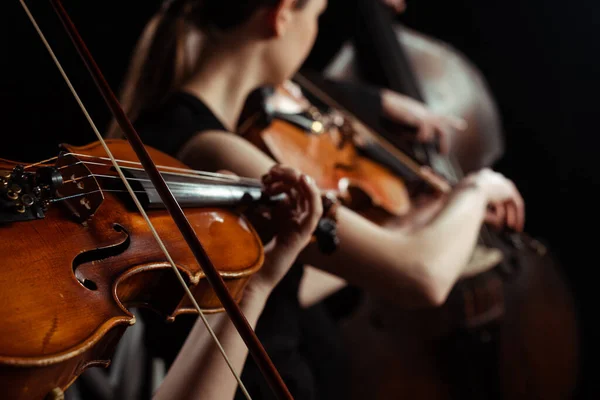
450, 84
67, 283
505, 334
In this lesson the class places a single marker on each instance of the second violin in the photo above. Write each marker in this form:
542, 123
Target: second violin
322, 146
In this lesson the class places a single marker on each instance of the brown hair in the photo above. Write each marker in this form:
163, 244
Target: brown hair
162, 62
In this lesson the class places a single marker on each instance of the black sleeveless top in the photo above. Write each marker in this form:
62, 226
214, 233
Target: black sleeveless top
303, 344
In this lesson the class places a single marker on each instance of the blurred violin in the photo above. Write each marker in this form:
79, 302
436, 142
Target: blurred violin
320, 144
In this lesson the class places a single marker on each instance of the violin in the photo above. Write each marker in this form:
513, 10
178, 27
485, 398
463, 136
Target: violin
488, 318
295, 132
73, 294
80, 243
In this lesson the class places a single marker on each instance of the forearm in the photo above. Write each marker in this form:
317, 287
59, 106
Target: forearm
199, 371
412, 267
447, 242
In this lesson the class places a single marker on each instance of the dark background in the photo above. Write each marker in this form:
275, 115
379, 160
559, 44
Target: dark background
540, 57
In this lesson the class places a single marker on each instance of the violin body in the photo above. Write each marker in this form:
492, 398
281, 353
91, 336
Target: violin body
450, 84
334, 163
67, 283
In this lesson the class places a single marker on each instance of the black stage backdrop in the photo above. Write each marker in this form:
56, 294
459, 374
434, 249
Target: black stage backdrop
541, 58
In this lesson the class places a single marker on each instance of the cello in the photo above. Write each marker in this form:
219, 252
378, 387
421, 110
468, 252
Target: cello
497, 358
77, 250
479, 344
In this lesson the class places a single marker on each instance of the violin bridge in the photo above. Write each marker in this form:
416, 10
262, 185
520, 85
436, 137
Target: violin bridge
80, 191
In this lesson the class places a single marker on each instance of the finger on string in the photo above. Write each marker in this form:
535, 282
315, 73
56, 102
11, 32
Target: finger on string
286, 177
520, 209
282, 172
425, 133
495, 222
268, 178
501, 213
226, 172
298, 201
492, 218
518, 204
314, 204
304, 200
278, 188
511, 215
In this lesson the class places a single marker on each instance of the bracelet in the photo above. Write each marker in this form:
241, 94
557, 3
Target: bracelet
326, 232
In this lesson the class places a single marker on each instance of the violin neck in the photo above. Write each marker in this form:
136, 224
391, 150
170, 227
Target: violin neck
199, 192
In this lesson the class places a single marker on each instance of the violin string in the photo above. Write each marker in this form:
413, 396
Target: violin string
222, 178
136, 201
189, 173
40, 163
182, 172
101, 190
192, 184
75, 196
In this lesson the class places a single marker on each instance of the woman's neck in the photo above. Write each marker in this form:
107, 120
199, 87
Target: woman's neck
223, 80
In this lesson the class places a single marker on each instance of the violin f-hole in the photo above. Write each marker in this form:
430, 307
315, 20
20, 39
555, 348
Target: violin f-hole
100, 254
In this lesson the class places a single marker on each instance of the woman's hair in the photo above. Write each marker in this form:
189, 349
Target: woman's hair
167, 51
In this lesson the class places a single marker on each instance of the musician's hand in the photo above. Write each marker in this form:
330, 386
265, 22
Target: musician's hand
506, 207
430, 126
295, 220
397, 5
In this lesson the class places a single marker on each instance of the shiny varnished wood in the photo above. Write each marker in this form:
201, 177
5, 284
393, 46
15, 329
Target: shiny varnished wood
335, 164
61, 315
521, 323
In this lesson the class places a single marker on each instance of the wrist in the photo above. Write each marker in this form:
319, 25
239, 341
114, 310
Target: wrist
257, 292
400, 108
471, 184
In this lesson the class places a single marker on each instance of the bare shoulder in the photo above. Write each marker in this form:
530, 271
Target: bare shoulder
218, 150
